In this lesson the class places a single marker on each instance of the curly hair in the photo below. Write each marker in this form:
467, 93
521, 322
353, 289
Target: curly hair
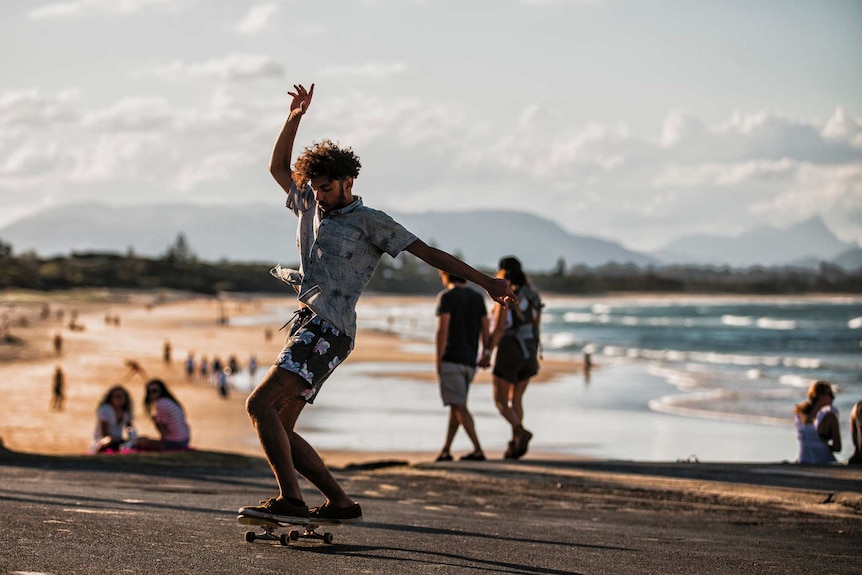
326, 159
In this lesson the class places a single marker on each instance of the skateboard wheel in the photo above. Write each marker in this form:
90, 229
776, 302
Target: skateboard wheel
328, 538
249, 536
283, 539
294, 535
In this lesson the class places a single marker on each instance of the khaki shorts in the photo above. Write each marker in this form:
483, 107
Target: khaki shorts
455, 381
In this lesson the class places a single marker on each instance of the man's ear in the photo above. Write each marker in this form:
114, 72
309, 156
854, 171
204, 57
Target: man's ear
348, 185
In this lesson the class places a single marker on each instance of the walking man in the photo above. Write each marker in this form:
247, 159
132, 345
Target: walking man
340, 243
461, 320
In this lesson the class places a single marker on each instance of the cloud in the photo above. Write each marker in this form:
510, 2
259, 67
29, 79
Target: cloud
369, 70
258, 19
132, 114
31, 108
74, 8
216, 167
230, 68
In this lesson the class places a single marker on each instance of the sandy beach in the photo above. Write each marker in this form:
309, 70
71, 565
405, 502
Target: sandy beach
93, 359
549, 513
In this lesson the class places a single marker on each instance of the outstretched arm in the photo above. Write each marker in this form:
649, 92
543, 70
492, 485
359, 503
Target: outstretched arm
282, 152
498, 289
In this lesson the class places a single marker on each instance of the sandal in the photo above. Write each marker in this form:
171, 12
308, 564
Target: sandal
444, 457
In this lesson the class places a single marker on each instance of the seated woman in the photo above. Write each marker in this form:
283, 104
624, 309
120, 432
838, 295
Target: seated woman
817, 425
113, 421
169, 417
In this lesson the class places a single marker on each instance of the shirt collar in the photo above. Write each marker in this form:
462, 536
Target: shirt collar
356, 204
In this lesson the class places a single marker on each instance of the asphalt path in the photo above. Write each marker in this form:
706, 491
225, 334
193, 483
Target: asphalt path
164, 514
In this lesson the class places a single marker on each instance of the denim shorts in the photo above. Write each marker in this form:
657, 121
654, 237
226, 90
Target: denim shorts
314, 348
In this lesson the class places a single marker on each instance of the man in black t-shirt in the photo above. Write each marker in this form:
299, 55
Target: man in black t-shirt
462, 320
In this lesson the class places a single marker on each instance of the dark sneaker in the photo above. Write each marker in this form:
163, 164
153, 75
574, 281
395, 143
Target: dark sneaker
522, 444
475, 456
330, 514
278, 509
444, 457
510, 451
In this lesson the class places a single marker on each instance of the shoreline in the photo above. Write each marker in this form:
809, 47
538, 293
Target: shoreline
93, 359
605, 417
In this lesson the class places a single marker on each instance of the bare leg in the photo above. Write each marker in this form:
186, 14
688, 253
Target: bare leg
279, 391
466, 419
451, 430
518, 398
501, 400
307, 462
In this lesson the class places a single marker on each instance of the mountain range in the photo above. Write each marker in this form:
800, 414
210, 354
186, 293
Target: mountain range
262, 233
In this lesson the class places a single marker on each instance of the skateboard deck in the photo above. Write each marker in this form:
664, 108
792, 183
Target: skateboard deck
294, 531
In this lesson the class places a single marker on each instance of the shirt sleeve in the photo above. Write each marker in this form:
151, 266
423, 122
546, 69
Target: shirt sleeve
298, 200
388, 235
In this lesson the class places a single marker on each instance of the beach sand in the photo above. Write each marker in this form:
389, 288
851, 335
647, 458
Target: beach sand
93, 359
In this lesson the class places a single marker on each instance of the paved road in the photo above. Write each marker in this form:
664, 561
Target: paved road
155, 514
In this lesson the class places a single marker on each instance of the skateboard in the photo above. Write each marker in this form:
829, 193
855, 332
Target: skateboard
270, 528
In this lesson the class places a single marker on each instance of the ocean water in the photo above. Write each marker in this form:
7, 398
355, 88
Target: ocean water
706, 378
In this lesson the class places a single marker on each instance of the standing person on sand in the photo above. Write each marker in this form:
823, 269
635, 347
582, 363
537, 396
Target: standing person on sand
58, 391
340, 243
516, 337
461, 321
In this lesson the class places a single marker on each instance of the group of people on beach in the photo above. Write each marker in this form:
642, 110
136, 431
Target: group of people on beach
115, 431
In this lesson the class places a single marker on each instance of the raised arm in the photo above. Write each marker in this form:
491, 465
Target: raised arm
498, 289
282, 152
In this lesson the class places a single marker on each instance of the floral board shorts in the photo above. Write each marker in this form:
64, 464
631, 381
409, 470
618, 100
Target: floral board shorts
313, 349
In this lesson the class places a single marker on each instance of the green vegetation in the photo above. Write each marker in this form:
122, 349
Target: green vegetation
178, 268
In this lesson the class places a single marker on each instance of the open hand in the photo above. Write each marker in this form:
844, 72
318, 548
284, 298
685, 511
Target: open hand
301, 98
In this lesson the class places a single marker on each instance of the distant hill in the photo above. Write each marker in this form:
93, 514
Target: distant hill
804, 244
267, 234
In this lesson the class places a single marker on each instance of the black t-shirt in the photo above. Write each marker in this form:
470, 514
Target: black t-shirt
466, 308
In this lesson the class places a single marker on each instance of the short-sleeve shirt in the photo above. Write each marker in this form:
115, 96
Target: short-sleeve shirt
339, 251
466, 308
105, 413
169, 414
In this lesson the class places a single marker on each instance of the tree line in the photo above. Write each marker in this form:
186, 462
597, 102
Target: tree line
179, 268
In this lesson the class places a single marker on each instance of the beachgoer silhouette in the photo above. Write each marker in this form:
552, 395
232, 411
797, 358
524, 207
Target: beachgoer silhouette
516, 337
462, 321
58, 394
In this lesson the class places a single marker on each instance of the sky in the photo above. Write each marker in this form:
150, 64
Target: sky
631, 120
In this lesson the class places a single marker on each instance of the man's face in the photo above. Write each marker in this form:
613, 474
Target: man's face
332, 194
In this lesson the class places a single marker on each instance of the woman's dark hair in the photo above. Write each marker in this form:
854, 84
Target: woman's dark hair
107, 399
817, 389
511, 267
325, 159
149, 401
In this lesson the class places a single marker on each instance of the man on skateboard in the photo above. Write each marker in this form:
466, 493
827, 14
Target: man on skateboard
340, 243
